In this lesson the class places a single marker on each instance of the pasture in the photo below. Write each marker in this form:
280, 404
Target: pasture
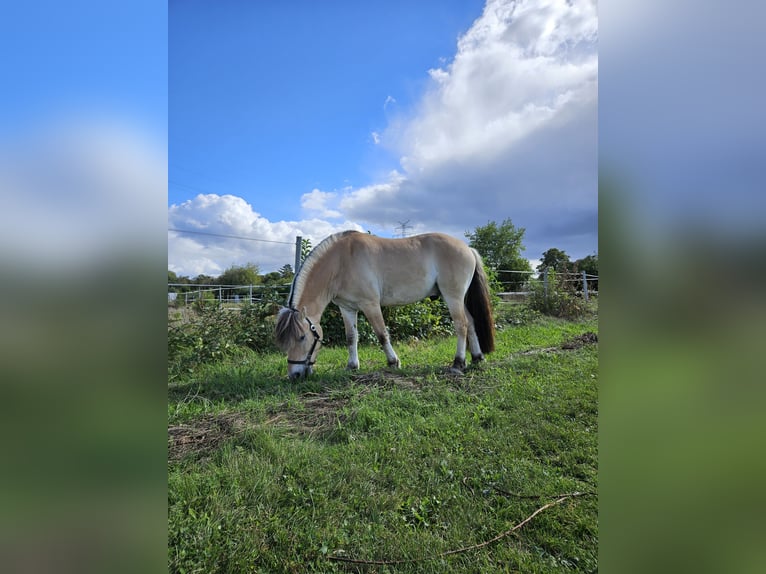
391, 470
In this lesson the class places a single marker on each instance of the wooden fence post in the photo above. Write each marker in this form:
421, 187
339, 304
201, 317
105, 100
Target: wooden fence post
585, 286
545, 283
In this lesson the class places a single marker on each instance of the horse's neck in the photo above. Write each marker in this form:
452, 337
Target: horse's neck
314, 307
315, 296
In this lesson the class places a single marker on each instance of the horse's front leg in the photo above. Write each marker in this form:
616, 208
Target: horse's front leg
352, 336
375, 317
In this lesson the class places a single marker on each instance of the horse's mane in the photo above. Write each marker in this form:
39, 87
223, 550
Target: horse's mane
287, 328
299, 281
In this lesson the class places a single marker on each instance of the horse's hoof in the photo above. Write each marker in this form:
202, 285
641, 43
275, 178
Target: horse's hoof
455, 371
396, 364
352, 367
458, 364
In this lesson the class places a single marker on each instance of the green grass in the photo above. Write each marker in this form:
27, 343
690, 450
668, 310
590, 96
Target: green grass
267, 475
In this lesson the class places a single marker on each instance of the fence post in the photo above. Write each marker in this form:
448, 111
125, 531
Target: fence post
585, 286
298, 249
251, 294
545, 283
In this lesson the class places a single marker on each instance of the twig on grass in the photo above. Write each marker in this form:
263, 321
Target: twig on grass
500, 536
535, 496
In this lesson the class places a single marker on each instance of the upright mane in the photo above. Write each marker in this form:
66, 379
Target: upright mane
299, 281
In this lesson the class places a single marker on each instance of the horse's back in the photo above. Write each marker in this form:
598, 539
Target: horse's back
400, 271
404, 253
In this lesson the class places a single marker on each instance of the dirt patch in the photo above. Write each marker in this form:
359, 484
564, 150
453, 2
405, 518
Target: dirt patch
319, 414
572, 344
312, 415
204, 435
387, 380
580, 341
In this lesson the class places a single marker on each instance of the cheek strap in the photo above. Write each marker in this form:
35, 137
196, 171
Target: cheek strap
307, 361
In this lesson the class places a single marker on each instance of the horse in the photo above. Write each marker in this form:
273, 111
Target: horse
362, 272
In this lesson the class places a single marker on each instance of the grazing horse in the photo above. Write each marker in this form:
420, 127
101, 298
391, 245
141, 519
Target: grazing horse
362, 272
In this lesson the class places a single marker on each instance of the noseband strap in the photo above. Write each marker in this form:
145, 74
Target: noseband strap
307, 361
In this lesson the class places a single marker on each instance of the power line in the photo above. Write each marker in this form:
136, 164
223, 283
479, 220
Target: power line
229, 236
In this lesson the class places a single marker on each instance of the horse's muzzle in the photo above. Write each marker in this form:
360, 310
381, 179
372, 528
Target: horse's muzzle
299, 372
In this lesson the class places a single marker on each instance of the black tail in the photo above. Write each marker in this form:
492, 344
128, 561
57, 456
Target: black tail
479, 305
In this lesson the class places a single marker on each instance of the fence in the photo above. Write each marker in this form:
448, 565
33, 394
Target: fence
588, 282
238, 294
229, 294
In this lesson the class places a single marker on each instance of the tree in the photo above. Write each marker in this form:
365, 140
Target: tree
589, 264
555, 259
286, 271
501, 247
273, 278
247, 274
173, 278
305, 249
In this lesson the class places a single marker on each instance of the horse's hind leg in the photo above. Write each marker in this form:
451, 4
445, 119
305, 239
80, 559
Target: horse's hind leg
352, 336
458, 313
473, 340
375, 317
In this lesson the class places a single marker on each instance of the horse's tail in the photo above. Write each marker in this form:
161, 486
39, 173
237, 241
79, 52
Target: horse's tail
479, 305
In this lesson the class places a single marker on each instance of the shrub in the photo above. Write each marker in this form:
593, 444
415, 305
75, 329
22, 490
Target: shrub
561, 300
427, 318
220, 331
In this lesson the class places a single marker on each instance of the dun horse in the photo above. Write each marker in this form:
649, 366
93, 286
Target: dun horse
362, 272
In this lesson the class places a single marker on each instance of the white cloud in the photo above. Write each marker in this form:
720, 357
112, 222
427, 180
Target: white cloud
375, 138
506, 129
193, 254
317, 200
389, 100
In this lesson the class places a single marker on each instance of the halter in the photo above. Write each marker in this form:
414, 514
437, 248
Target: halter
307, 361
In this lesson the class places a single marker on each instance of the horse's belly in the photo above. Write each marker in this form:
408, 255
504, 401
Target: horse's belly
403, 293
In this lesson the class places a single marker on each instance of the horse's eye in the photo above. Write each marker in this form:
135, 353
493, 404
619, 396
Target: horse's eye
303, 337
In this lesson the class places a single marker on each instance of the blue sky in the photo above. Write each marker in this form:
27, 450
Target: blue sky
311, 117
269, 100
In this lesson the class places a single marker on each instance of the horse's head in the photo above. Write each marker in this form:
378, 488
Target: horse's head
300, 337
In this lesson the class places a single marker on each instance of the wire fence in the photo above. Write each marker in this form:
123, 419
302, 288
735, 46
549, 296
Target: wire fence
224, 294
240, 294
583, 281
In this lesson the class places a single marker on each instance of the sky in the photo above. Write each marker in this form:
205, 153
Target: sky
309, 118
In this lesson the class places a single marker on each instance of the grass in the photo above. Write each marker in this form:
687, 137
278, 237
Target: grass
266, 475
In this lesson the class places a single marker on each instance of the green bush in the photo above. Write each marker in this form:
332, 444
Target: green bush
427, 318
220, 331
561, 300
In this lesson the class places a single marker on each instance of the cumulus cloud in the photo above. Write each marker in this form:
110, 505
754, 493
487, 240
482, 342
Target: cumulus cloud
506, 129
317, 200
226, 231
